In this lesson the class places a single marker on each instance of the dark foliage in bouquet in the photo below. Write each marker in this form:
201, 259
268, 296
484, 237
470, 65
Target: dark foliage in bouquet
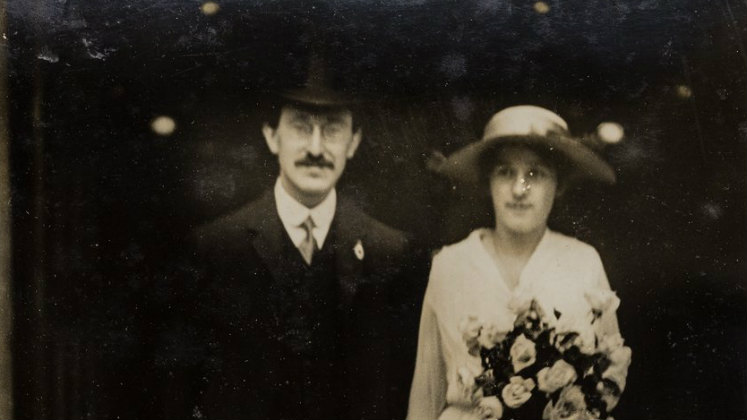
549, 367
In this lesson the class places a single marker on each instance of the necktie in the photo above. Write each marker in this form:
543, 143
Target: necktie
308, 245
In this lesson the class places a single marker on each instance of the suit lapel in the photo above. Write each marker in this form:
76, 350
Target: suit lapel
351, 242
267, 232
363, 303
276, 270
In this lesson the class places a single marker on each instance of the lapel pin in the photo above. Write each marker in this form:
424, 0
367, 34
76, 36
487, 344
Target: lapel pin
358, 250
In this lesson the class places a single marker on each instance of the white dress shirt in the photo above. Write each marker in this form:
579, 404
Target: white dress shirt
293, 214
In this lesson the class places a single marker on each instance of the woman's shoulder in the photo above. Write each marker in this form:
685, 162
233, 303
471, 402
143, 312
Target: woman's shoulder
575, 258
457, 250
570, 246
453, 263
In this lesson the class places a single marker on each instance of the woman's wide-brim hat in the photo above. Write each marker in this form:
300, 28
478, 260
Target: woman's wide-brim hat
533, 126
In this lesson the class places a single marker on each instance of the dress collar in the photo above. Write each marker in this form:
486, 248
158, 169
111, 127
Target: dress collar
483, 258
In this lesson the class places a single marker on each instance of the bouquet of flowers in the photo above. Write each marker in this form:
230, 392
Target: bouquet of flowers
549, 366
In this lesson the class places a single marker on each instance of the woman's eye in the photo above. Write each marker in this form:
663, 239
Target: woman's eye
503, 171
537, 173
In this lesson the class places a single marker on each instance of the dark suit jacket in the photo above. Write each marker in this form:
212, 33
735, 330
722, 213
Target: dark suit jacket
257, 334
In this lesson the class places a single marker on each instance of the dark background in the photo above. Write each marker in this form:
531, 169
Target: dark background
98, 197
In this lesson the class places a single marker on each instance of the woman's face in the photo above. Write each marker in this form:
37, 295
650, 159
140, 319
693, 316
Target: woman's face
523, 188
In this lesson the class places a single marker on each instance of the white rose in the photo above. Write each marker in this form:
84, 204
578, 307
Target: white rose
608, 395
470, 329
585, 342
523, 353
569, 323
571, 405
462, 389
490, 408
551, 379
517, 391
621, 356
490, 335
609, 343
618, 370
602, 301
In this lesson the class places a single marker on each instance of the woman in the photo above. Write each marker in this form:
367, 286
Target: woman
525, 160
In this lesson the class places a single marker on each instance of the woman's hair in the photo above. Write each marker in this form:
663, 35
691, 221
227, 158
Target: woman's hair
553, 158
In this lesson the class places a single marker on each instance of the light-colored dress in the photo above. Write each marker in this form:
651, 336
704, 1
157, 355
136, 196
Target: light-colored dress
465, 281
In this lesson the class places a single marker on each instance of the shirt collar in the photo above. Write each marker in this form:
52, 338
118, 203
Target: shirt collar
293, 214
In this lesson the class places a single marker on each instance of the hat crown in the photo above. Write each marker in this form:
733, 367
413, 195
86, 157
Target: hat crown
319, 88
317, 75
524, 120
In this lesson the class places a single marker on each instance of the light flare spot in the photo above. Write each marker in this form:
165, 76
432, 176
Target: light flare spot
610, 132
684, 91
163, 125
210, 8
713, 211
541, 7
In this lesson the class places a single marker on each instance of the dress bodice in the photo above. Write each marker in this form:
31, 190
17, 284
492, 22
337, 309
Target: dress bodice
465, 281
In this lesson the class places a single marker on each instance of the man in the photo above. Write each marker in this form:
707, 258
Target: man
301, 298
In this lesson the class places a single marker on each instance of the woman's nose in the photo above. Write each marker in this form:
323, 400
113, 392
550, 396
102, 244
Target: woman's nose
520, 187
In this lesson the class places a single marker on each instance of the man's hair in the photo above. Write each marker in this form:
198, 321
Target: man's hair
272, 116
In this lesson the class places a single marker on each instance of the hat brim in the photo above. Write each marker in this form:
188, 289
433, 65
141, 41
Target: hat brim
464, 164
320, 97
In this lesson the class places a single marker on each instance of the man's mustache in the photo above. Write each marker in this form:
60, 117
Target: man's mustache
320, 162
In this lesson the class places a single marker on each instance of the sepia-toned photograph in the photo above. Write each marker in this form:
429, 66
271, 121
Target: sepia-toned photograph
373, 209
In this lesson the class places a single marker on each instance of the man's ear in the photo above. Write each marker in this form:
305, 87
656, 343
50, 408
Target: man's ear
353, 146
270, 138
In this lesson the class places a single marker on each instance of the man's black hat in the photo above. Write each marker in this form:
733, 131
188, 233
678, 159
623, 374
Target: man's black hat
318, 89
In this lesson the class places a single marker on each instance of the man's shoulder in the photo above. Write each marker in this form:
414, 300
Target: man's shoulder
239, 222
381, 233
385, 231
